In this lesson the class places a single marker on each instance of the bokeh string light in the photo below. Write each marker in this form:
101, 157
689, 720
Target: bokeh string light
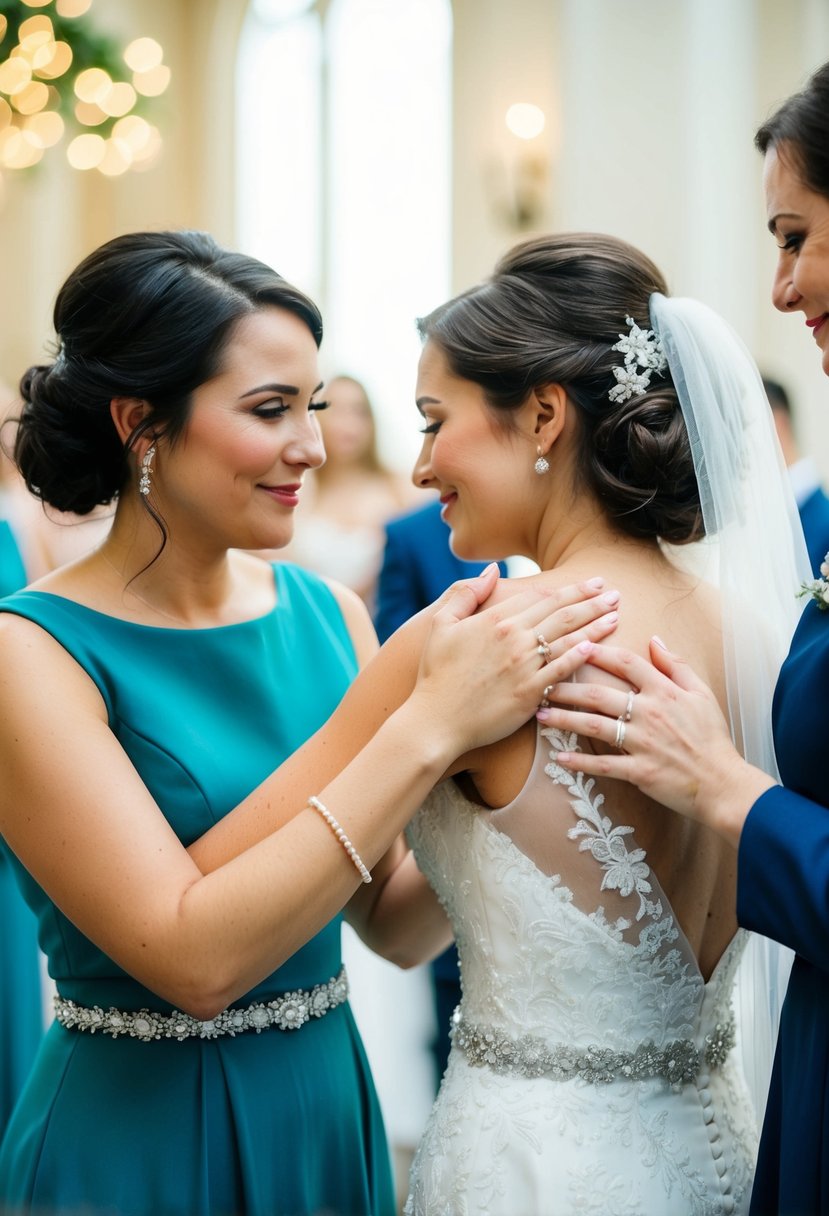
62, 79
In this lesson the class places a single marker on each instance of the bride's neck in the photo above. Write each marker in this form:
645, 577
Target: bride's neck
581, 531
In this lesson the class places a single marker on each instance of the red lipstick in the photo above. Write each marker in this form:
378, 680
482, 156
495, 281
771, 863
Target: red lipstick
287, 495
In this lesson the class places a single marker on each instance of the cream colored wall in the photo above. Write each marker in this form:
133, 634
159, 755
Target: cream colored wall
53, 216
652, 107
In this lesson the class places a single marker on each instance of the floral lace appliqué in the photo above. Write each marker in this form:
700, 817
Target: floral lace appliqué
625, 870
546, 954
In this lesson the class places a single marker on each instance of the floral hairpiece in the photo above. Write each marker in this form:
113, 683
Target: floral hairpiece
818, 588
642, 349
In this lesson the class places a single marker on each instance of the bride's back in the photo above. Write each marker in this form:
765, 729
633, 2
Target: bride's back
695, 869
591, 1066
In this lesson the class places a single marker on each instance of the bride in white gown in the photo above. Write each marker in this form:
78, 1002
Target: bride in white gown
593, 1067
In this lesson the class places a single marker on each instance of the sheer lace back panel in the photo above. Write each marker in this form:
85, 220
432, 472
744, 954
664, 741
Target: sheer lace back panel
562, 927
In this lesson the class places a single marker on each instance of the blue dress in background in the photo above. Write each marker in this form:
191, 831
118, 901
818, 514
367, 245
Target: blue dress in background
282, 1123
21, 1015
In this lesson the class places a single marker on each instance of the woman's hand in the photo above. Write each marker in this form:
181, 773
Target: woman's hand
673, 741
484, 675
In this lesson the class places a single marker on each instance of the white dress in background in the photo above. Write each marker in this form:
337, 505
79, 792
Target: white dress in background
591, 1070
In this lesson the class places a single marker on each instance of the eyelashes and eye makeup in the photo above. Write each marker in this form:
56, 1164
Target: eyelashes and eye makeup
276, 408
270, 409
431, 429
790, 243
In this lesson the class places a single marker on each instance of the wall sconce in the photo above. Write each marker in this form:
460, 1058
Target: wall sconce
518, 179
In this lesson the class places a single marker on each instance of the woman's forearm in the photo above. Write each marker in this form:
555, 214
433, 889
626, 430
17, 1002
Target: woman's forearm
471, 697
300, 876
378, 691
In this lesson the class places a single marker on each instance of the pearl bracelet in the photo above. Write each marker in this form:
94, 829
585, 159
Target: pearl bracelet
341, 836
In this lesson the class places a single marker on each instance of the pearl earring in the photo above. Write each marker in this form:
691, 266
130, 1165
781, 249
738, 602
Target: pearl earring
146, 470
542, 465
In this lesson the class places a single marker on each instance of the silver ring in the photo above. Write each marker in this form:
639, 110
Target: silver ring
543, 647
545, 697
620, 732
629, 707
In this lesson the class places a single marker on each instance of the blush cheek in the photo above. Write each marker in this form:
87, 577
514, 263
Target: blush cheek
252, 456
454, 463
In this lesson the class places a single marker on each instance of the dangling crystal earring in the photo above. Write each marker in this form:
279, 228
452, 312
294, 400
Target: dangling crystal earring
146, 470
542, 465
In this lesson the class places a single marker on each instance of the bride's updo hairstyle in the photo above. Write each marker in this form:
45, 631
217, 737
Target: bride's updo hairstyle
550, 314
146, 315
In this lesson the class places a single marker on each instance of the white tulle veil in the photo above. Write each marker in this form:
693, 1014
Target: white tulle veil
755, 553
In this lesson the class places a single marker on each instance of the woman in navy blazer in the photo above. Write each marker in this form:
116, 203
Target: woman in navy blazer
678, 751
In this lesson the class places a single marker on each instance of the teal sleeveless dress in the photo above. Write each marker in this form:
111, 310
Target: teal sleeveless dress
21, 1015
282, 1123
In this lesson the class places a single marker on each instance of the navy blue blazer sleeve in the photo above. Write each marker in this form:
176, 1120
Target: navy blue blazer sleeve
783, 873
814, 516
398, 594
418, 566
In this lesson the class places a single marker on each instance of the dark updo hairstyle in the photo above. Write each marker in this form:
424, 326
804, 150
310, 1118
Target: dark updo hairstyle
550, 314
799, 130
147, 315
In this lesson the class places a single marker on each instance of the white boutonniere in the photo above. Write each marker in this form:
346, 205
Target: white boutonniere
818, 588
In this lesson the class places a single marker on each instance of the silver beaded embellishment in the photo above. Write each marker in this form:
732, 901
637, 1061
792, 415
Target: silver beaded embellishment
336, 828
288, 1012
678, 1063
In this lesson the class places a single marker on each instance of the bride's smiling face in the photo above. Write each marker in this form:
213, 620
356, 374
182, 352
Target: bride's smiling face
481, 467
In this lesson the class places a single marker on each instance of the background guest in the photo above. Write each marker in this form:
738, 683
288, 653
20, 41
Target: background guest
812, 501
21, 1015
339, 531
418, 565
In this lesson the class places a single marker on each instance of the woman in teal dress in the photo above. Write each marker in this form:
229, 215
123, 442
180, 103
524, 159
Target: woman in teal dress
204, 1061
21, 1015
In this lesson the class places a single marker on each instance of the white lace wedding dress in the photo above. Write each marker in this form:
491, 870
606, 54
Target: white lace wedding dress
591, 1069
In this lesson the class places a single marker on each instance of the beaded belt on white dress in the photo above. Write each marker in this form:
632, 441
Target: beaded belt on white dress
287, 1012
679, 1062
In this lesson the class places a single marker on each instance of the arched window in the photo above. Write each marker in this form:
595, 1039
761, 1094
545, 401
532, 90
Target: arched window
343, 177
278, 138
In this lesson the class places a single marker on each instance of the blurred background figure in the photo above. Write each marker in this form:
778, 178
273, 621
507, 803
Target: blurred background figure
340, 529
43, 537
22, 554
812, 501
21, 1007
32, 543
418, 566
